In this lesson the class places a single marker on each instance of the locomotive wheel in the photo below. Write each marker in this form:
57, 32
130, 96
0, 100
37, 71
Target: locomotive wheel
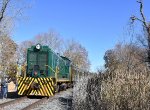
69, 85
63, 86
57, 89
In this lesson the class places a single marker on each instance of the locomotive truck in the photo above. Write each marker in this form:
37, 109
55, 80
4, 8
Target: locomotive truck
47, 72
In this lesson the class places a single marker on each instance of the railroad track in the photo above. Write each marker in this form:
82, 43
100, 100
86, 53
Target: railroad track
29, 103
35, 104
17, 104
39, 102
2, 105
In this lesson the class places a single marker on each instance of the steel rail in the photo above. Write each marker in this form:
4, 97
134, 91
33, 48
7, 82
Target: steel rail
2, 105
35, 104
39, 102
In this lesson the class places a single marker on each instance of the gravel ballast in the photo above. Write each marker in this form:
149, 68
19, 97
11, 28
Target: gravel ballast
61, 101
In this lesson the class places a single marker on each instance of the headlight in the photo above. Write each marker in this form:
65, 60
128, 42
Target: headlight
38, 46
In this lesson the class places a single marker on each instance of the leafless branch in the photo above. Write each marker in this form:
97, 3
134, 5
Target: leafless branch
142, 14
3, 9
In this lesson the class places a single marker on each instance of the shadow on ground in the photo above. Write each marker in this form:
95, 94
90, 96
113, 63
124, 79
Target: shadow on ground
10, 95
36, 97
14, 95
66, 101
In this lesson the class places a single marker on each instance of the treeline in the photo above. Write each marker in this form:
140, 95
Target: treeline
12, 54
10, 12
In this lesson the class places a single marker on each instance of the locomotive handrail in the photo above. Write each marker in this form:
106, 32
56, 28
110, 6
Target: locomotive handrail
51, 68
55, 72
56, 54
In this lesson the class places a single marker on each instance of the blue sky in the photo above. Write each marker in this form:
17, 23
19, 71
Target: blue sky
97, 24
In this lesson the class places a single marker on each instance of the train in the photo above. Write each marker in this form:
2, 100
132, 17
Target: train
46, 72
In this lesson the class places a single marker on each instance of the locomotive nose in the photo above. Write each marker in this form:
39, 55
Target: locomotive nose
35, 85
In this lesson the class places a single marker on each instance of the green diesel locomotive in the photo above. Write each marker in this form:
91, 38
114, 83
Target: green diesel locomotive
46, 73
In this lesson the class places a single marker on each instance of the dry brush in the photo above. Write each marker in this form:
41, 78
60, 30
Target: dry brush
125, 85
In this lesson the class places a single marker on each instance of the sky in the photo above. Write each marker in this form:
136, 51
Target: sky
96, 24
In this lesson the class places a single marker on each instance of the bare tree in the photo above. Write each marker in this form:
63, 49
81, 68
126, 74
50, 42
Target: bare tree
3, 8
110, 60
51, 39
128, 55
10, 12
146, 27
78, 55
21, 56
22, 52
7, 52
